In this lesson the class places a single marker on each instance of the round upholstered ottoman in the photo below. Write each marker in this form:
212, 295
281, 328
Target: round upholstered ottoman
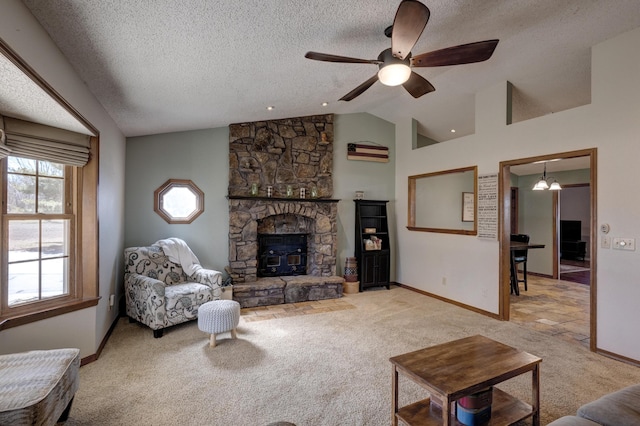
217, 317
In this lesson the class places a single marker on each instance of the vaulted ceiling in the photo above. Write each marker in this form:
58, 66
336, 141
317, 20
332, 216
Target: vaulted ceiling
166, 65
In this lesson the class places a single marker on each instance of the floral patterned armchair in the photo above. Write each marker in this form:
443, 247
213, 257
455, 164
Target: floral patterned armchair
159, 293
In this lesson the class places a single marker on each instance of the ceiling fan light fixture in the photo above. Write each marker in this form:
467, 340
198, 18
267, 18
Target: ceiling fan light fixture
394, 74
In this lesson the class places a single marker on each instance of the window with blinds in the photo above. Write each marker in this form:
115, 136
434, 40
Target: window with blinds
41, 169
25, 139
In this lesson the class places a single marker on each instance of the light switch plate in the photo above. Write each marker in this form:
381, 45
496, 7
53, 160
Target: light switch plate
624, 244
605, 242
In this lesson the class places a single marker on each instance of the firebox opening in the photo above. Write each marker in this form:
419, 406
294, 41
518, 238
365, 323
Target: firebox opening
282, 254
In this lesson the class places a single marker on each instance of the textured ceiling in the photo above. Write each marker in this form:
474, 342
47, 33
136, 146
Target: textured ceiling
170, 65
21, 97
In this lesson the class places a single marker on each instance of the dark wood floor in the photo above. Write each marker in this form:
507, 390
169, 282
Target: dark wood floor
578, 271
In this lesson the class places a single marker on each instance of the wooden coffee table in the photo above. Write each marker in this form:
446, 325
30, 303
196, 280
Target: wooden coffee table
455, 369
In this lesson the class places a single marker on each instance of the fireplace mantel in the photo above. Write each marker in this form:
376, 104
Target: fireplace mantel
280, 199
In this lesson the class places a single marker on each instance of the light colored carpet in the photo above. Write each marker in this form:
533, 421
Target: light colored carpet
328, 368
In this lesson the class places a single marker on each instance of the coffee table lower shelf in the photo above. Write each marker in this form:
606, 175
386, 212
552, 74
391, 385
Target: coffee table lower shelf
505, 410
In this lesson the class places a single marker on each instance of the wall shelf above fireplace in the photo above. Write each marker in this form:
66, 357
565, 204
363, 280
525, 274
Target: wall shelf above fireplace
280, 199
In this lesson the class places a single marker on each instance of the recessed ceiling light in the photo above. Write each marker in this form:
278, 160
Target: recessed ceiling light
453, 130
270, 108
325, 103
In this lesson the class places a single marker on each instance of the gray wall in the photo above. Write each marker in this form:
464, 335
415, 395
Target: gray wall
203, 157
575, 205
377, 180
199, 155
535, 209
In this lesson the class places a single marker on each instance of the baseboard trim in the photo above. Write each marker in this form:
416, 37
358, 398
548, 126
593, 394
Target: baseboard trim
453, 302
537, 274
617, 357
91, 358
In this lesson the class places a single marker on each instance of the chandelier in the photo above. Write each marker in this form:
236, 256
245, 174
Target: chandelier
545, 182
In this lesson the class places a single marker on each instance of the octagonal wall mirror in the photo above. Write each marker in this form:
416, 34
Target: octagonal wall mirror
444, 201
178, 201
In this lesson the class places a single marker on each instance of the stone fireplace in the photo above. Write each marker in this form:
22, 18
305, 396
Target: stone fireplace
295, 154
250, 216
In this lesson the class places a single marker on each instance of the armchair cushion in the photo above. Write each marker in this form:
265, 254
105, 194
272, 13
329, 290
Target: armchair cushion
159, 293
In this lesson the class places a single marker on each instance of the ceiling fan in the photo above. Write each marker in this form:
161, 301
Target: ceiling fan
396, 62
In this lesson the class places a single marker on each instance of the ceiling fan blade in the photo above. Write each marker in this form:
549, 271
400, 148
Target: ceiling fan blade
411, 18
335, 58
456, 55
418, 85
360, 89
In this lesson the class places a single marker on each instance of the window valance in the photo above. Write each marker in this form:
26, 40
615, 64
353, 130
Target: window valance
22, 138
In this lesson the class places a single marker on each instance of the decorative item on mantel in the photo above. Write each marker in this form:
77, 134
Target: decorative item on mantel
289, 191
303, 193
314, 192
365, 151
269, 191
254, 189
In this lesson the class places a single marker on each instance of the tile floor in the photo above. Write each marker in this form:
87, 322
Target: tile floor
556, 307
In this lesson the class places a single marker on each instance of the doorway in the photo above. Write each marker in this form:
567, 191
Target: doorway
550, 234
575, 217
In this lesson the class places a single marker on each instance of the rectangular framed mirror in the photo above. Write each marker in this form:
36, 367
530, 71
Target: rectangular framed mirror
444, 201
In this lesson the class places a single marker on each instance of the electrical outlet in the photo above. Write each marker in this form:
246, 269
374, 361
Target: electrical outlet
624, 244
605, 242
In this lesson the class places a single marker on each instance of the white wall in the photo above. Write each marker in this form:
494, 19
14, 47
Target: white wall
83, 329
610, 123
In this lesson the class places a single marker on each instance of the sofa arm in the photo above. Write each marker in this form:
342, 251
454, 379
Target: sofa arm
148, 284
145, 300
208, 277
572, 421
620, 408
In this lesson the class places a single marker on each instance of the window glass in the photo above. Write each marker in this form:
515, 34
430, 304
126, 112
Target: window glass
54, 238
21, 165
23, 240
50, 195
38, 248
180, 202
21, 194
23, 282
